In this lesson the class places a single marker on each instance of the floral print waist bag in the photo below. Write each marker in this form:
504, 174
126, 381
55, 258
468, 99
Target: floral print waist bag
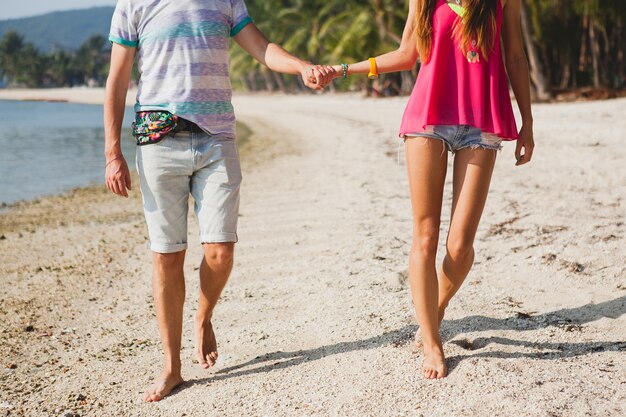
152, 126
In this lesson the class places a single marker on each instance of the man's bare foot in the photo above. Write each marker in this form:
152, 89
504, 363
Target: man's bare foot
206, 344
434, 365
163, 386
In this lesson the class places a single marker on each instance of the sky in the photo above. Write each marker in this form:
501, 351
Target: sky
10, 9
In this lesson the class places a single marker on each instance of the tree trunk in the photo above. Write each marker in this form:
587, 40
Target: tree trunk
621, 62
407, 83
582, 58
280, 82
536, 72
595, 54
269, 83
251, 81
566, 76
606, 59
244, 82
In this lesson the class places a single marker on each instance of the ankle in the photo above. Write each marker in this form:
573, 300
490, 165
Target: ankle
432, 344
171, 366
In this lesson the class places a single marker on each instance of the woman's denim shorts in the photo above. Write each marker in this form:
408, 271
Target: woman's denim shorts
457, 137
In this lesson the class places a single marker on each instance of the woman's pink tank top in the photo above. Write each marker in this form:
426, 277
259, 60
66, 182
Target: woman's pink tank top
451, 90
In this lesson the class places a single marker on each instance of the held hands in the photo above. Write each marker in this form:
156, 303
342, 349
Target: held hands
117, 176
526, 142
317, 77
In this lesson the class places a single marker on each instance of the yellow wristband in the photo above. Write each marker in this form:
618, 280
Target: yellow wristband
373, 75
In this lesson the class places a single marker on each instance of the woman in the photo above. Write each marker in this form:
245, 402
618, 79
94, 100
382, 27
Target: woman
460, 103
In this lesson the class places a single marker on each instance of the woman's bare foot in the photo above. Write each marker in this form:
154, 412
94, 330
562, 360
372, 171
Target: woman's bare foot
434, 365
163, 386
206, 344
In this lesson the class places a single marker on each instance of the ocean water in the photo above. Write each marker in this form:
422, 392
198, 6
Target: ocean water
49, 148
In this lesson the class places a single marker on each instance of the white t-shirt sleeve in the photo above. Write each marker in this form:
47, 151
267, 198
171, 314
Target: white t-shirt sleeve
123, 28
240, 16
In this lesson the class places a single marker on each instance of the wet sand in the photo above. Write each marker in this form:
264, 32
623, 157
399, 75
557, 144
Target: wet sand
317, 319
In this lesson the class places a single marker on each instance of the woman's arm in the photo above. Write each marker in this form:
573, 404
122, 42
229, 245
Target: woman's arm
402, 59
517, 70
252, 40
117, 174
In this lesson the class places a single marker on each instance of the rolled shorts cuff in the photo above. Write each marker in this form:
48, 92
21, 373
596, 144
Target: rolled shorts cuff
167, 248
220, 238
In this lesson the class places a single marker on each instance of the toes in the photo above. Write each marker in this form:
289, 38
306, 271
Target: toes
156, 398
203, 361
152, 397
210, 360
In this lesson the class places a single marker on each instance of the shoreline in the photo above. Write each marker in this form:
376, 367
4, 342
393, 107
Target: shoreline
22, 194
76, 95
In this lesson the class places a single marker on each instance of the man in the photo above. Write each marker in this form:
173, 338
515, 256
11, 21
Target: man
185, 120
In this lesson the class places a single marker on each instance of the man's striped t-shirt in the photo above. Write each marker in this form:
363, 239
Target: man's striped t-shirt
182, 56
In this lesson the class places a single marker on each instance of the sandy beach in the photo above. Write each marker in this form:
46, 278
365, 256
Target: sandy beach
317, 319
81, 95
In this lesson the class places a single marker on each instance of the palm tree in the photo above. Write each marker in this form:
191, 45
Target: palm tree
11, 45
92, 59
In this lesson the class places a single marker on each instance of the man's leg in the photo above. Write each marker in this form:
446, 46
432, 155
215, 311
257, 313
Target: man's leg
168, 286
215, 188
164, 169
215, 268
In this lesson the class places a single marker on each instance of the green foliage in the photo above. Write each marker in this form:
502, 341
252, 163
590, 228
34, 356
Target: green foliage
22, 64
321, 31
580, 42
56, 49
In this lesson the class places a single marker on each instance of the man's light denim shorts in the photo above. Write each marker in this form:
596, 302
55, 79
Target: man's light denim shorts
187, 163
457, 137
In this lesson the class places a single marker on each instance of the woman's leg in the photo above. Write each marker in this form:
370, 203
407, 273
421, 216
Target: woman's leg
427, 164
472, 176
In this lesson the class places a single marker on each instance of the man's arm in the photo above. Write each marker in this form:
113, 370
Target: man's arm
252, 40
117, 174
